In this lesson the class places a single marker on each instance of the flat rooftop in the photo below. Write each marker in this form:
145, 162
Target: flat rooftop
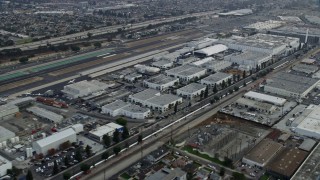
254, 56
263, 151
161, 63
287, 161
265, 97
298, 30
118, 104
161, 79
55, 137
164, 99
217, 77
305, 68
192, 87
265, 41
135, 109
310, 119
185, 70
6, 134
310, 169
290, 82
146, 94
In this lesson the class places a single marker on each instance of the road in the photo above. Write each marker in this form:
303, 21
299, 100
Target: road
100, 31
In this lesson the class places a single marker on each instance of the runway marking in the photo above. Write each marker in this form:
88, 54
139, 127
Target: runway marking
20, 83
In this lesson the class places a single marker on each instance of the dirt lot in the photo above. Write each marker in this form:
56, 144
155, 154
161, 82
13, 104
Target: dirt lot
20, 83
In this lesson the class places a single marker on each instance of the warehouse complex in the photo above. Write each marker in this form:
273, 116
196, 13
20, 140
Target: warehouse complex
108, 129
54, 141
155, 100
265, 43
262, 153
121, 108
5, 165
286, 162
290, 85
308, 123
45, 114
161, 82
260, 106
252, 59
8, 111
308, 69
265, 98
216, 78
298, 32
6, 134
83, 88
211, 50
186, 72
191, 90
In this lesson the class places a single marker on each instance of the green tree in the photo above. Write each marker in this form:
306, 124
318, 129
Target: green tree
78, 155
238, 176
84, 167
88, 150
201, 94
75, 48
66, 161
244, 83
222, 171
89, 35
105, 155
206, 92
238, 77
215, 89
216, 98
229, 82
223, 84
140, 138
29, 175
116, 137
55, 168
244, 74
236, 88
66, 176
116, 150
106, 140
97, 45
24, 60
176, 107
125, 133
121, 121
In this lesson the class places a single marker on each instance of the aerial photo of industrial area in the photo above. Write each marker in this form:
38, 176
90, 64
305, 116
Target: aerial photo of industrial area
160, 89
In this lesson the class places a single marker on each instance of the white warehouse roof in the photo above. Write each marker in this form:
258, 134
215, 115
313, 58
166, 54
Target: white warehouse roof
43, 113
267, 98
55, 137
209, 51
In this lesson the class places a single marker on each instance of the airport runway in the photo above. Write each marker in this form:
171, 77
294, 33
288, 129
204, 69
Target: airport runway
55, 75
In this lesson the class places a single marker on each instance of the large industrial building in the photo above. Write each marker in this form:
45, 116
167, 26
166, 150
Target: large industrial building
249, 58
266, 25
286, 162
211, 50
299, 32
260, 106
54, 141
290, 85
8, 111
304, 68
162, 64
5, 165
6, 134
161, 82
216, 65
191, 90
45, 114
262, 153
83, 88
308, 123
121, 108
265, 43
216, 78
265, 98
108, 129
201, 43
186, 72
310, 168
155, 100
